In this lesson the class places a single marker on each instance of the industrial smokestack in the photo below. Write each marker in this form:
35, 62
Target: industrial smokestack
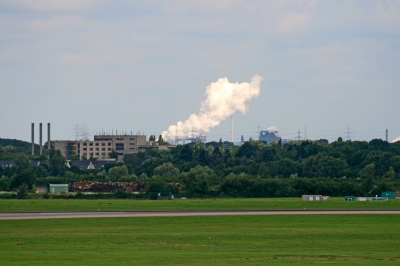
48, 137
232, 129
33, 138
387, 139
40, 138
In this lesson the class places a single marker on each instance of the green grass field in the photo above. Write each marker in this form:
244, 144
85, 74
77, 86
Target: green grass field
33, 205
229, 240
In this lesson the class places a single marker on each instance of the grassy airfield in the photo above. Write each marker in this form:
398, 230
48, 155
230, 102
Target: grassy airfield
218, 240
41, 205
229, 240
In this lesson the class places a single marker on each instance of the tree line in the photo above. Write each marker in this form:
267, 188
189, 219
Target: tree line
253, 169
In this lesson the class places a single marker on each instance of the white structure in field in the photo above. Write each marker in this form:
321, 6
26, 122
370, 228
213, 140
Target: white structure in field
314, 197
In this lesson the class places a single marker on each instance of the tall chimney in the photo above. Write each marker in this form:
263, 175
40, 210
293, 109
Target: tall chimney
387, 139
40, 138
33, 138
232, 129
48, 138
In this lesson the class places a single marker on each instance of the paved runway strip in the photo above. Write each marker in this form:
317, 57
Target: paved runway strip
100, 214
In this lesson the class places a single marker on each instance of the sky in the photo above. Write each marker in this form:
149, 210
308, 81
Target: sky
330, 68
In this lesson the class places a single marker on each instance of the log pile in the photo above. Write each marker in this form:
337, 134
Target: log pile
110, 187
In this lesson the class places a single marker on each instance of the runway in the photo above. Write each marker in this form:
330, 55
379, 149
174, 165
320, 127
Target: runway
115, 214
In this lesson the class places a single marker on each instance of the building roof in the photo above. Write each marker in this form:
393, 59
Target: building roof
6, 163
83, 164
87, 164
34, 162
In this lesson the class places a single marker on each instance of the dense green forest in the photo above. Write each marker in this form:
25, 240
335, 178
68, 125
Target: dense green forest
253, 169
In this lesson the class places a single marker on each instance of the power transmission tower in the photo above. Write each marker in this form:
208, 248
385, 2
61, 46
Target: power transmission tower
348, 133
298, 135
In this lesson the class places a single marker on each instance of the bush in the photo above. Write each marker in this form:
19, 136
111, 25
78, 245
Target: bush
79, 195
120, 194
21, 194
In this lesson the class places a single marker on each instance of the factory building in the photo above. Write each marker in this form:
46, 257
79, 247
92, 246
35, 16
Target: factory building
103, 145
269, 136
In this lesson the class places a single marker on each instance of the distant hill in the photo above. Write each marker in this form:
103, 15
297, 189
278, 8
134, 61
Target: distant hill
18, 147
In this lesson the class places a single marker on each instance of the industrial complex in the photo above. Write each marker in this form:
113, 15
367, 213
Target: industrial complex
103, 146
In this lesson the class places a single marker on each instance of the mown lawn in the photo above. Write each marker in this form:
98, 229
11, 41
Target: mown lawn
34, 205
230, 240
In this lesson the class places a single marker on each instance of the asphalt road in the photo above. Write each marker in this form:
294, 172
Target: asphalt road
100, 214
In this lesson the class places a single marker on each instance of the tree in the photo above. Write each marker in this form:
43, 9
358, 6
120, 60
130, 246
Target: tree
57, 163
325, 166
113, 154
186, 153
26, 177
367, 171
161, 141
117, 172
21, 194
21, 163
202, 159
284, 167
40, 171
167, 170
133, 160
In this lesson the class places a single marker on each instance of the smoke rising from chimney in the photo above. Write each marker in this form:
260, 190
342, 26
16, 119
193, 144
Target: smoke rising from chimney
223, 100
396, 139
272, 129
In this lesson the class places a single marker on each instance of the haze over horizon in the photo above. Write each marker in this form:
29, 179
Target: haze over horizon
328, 66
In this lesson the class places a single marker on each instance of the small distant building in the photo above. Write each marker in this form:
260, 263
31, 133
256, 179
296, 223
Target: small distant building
6, 163
388, 194
50, 188
92, 165
34, 163
349, 198
314, 198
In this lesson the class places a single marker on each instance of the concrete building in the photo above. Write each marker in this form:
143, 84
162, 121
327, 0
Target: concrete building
103, 145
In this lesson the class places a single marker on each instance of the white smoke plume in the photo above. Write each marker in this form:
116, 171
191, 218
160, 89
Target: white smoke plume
272, 129
396, 139
223, 99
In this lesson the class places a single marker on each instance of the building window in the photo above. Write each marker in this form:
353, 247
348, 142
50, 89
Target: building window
84, 149
103, 153
97, 144
119, 146
103, 144
97, 149
90, 144
97, 153
109, 149
91, 149
109, 144
103, 149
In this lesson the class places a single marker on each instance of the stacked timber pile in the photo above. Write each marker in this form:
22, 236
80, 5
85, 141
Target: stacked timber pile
92, 186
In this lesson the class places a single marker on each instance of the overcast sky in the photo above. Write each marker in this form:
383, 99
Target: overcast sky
145, 65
